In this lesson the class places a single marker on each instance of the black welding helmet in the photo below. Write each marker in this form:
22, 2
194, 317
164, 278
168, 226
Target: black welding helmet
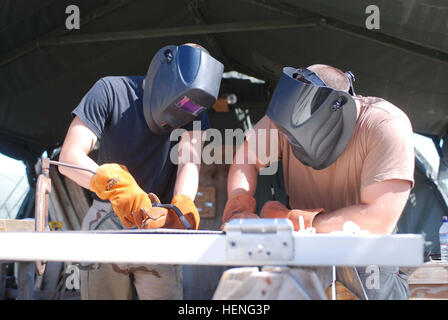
182, 82
317, 120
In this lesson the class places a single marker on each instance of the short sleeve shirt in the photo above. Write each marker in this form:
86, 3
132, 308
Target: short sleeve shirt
380, 149
113, 110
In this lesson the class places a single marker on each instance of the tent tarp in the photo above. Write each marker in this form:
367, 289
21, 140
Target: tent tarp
41, 81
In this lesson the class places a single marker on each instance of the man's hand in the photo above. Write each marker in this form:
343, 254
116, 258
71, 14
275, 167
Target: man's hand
275, 209
132, 205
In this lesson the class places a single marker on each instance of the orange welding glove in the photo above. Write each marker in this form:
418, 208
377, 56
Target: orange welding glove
240, 206
131, 204
275, 209
186, 205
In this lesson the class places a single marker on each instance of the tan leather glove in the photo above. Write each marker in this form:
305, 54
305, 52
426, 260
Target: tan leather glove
186, 205
240, 206
131, 204
275, 209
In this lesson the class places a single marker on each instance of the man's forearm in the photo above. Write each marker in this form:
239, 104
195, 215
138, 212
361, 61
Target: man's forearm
81, 177
242, 177
367, 217
189, 158
187, 180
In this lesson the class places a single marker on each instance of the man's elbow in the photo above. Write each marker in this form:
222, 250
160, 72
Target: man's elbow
64, 156
385, 220
61, 169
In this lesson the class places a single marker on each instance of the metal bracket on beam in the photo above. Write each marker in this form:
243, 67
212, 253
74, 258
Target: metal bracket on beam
259, 239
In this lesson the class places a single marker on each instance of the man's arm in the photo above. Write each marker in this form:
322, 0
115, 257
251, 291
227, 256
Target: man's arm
78, 143
381, 206
189, 155
242, 177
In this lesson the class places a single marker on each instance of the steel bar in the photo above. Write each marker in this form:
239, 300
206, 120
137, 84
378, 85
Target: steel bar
57, 163
197, 248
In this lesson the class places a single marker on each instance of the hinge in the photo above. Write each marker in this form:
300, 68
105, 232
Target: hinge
260, 239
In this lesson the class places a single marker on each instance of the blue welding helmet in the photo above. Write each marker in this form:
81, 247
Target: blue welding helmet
317, 120
181, 83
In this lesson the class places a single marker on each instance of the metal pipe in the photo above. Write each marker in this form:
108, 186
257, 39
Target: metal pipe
71, 166
43, 189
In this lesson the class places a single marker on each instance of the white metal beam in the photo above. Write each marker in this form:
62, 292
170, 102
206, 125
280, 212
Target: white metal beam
197, 248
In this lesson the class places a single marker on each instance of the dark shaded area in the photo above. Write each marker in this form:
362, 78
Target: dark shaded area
42, 79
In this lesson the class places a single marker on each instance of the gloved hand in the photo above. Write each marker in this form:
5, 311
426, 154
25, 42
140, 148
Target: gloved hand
131, 204
186, 205
240, 206
275, 209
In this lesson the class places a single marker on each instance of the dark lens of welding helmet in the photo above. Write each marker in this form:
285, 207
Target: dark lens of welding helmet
188, 105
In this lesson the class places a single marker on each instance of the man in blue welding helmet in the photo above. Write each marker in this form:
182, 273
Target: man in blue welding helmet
132, 117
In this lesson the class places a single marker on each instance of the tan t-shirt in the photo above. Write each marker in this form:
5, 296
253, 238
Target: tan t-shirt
381, 148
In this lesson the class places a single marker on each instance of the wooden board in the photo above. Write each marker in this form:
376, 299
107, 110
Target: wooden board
428, 292
434, 272
59, 189
429, 281
342, 293
221, 105
56, 212
16, 225
80, 203
206, 202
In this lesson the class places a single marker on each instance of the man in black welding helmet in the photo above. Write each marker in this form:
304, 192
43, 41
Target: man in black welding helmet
317, 120
345, 158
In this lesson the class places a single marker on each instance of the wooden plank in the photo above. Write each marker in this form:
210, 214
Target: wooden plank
428, 282
206, 202
221, 105
78, 197
434, 272
56, 212
17, 225
59, 188
428, 291
342, 292
215, 175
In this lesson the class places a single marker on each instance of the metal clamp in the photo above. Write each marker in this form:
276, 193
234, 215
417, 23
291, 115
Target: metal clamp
259, 239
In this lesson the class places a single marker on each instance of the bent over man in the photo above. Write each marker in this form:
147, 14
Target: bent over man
133, 116
345, 158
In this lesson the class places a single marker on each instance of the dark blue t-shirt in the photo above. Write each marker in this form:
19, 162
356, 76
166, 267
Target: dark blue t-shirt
113, 110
